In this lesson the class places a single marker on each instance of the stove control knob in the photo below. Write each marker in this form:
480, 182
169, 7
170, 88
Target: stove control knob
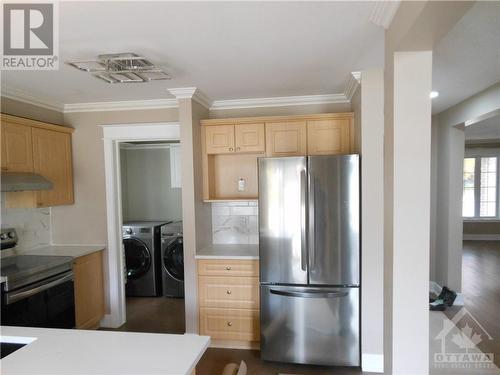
12, 234
4, 236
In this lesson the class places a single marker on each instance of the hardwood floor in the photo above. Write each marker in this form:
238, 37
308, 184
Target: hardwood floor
481, 288
155, 315
214, 360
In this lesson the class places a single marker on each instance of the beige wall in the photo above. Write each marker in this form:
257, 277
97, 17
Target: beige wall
85, 221
281, 111
21, 109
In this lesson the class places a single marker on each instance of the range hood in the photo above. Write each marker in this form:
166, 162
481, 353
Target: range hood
11, 181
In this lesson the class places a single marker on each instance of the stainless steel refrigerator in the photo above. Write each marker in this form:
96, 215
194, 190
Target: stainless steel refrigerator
309, 236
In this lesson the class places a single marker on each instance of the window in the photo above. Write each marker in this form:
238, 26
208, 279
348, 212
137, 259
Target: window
480, 187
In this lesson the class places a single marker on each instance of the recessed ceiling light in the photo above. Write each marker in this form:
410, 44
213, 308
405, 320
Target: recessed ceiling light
434, 94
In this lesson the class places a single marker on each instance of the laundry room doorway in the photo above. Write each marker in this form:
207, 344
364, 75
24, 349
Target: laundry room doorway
152, 236
145, 233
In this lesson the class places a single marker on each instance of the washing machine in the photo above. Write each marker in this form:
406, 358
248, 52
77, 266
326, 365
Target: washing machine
142, 245
172, 251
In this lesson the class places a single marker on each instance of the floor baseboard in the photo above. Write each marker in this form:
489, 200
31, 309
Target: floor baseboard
372, 363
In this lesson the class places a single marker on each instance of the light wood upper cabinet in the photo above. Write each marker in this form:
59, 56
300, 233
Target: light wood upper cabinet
17, 152
53, 160
286, 138
89, 291
219, 139
42, 148
250, 138
225, 139
328, 137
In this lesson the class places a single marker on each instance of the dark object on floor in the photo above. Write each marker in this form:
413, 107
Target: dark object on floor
448, 296
437, 305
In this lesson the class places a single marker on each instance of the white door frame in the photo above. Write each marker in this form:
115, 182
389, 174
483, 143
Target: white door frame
113, 135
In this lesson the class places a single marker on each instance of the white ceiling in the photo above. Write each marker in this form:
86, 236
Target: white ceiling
488, 129
229, 50
467, 60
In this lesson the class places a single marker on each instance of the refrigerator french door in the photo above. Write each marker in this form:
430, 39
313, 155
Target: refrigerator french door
309, 233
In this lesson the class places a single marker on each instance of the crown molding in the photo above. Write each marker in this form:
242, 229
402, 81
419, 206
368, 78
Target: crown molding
39, 101
383, 12
191, 93
352, 84
279, 101
126, 105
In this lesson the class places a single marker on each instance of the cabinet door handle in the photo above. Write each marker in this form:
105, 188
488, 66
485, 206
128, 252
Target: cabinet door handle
5, 169
228, 291
238, 148
230, 149
229, 324
228, 268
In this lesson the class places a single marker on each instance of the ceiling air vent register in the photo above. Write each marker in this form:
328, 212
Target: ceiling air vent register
122, 68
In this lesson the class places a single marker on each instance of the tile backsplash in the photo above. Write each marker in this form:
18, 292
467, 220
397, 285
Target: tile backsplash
235, 223
32, 225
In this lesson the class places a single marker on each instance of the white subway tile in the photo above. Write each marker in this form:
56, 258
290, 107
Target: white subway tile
242, 211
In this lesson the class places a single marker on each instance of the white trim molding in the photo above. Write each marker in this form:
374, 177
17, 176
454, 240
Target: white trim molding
191, 93
113, 135
352, 84
372, 363
126, 105
39, 101
481, 237
194, 93
383, 12
279, 101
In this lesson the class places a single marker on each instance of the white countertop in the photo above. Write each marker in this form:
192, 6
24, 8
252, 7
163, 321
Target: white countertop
61, 250
67, 351
232, 251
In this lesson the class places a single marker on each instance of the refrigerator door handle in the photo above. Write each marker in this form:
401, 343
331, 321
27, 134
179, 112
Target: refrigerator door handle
309, 294
303, 218
312, 245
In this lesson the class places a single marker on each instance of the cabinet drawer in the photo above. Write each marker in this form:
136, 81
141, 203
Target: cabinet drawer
228, 267
228, 324
232, 292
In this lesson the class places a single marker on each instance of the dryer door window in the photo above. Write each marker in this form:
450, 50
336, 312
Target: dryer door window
173, 259
137, 257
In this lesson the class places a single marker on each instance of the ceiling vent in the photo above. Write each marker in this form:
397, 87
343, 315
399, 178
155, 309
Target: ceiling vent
122, 68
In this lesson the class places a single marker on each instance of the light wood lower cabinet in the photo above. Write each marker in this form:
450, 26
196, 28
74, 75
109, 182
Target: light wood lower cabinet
89, 291
228, 267
224, 291
230, 324
228, 296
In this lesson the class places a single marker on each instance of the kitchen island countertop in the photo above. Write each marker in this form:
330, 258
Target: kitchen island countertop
66, 351
229, 251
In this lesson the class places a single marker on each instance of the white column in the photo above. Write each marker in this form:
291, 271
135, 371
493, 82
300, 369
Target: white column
410, 158
372, 219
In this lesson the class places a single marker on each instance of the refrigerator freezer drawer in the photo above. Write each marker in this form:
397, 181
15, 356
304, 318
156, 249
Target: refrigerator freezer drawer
310, 325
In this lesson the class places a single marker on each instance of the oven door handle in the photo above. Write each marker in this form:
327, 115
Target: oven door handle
13, 297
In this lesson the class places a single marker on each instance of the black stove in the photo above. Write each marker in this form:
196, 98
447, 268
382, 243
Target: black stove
36, 290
